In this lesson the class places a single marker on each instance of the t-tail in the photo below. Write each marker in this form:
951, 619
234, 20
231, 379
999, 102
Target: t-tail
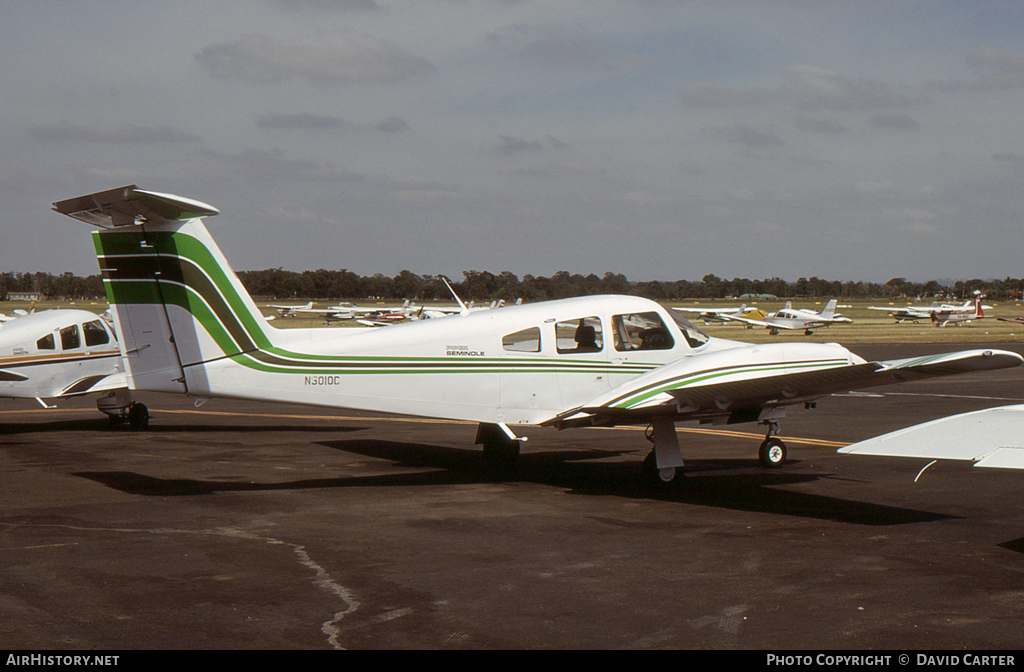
175, 301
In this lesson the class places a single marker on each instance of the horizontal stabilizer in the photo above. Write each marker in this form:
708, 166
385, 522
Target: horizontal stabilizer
125, 205
993, 437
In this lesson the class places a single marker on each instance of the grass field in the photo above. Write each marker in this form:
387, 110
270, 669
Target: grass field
869, 326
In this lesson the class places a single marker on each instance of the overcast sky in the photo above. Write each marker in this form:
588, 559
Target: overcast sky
850, 140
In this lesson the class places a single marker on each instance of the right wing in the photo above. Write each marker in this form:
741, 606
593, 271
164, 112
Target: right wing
738, 384
993, 437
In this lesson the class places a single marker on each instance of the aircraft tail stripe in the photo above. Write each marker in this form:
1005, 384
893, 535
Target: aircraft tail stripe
177, 253
125, 291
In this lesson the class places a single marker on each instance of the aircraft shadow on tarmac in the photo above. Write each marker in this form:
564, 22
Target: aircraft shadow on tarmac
727, 484
1015, 545
104, 425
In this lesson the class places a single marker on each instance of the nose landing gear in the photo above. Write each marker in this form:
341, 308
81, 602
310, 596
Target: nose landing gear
772, 452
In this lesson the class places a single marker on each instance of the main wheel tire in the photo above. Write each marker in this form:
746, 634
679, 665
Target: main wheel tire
501, 453
772, 453
658, 477
138, 416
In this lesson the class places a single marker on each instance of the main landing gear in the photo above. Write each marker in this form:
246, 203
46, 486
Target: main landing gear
663, 465
121, 409
501, 445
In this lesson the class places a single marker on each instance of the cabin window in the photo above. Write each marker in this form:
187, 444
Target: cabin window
46, 343
579, 335
527, 340
641, 331
69, 337
95, 334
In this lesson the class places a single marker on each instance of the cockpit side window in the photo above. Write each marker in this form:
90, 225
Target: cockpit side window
46, 343
95, 334
527, 340
641, 331
579, 335
70, 338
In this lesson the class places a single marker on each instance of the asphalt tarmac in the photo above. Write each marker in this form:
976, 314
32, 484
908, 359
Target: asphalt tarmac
240, 525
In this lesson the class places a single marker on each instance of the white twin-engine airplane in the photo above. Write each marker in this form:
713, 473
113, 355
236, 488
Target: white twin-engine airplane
56, 354
188, 326
796, 318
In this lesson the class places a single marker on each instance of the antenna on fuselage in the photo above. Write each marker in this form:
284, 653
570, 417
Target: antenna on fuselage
463, 310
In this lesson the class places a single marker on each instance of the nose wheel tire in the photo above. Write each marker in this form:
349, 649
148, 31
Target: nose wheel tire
772, 453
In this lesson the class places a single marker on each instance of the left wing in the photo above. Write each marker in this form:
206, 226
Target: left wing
993, 437
96, 383
738, 384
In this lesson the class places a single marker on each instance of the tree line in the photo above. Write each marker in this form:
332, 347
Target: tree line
326, 285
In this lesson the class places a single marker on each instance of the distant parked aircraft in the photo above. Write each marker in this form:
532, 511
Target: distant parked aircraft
795, 318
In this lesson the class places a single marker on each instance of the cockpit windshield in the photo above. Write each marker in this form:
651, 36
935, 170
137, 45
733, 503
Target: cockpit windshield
694, 336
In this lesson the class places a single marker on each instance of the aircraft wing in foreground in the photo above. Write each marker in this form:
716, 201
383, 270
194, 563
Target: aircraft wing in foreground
993, 437
190, 327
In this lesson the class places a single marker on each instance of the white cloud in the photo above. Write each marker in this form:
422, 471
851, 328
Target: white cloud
124, 134
894, 121
870, 187
346, 59
742, 134
819, 88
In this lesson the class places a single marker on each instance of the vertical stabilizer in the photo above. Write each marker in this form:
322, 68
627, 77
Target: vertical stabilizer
175, 300
830, 310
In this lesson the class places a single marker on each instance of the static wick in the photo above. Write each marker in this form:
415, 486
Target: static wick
922, 470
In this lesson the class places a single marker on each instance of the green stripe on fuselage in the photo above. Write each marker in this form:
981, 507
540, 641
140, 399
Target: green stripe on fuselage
190, 277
